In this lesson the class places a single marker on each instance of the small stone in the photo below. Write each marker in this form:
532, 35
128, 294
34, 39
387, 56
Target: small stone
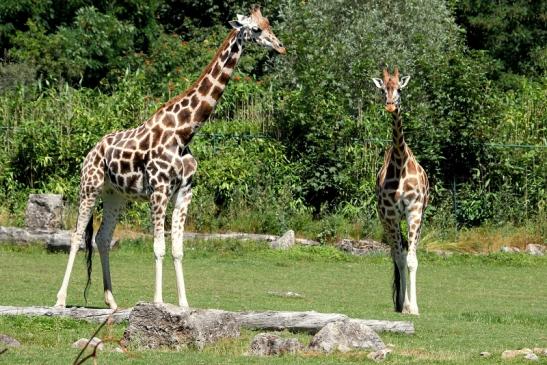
532, 357
9, 341
119, 349
535, 250
95, 342
505, 249
485, 354
265, 344
284, 242
379, 355
345, 336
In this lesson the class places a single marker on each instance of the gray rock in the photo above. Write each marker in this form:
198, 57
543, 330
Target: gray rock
284, 242
82, 342
265, 344
9, 341
485, 354
345, 336
53, 239
532, 357
165, 325
44, 211
362, 247
535, 250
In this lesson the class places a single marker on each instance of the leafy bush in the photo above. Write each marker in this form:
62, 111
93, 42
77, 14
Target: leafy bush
97, 44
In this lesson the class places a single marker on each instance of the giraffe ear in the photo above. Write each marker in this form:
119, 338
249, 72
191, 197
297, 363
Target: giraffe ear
404, 81
378, 82
240, 22
235, 24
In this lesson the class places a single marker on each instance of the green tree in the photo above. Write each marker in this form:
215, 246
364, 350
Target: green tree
512, 31
95, 46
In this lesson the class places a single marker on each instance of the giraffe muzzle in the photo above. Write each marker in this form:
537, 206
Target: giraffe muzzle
390, 107
281, 50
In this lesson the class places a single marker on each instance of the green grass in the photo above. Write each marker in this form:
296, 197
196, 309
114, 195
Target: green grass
468, 303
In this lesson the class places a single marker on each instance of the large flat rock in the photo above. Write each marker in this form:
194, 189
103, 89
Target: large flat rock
165, 325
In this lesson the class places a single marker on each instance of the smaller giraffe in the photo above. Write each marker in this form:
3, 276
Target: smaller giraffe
402, 189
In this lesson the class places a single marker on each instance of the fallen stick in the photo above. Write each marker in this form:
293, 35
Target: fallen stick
312, 321
270, 320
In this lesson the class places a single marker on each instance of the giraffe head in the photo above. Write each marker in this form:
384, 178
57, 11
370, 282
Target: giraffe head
256, 28
391, 86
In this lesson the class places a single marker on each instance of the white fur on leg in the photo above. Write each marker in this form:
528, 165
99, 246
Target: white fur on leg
159, 253
412, 263
84, 215
109, 299
62, 294
182, 201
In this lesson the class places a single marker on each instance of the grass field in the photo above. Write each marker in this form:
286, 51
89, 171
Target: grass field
468, 304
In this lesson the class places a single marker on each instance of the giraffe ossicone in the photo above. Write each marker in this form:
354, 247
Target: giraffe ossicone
153, 162
402, 191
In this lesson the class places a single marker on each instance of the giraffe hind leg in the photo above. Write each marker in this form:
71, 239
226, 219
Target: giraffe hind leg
393, 235
113, 205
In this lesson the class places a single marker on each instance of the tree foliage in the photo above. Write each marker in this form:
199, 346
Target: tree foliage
512, 31
75, 70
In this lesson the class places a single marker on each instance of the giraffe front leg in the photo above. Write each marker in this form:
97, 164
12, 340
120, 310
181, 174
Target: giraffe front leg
159, 204
414, 227
182, 201
87, 204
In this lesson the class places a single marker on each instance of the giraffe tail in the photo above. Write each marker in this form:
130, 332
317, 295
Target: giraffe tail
398, 299
88, 254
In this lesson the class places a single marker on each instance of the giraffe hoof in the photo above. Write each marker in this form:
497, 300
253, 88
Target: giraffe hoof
411, 311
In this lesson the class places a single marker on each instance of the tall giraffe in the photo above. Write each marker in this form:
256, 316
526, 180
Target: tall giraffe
402, 189
153, 162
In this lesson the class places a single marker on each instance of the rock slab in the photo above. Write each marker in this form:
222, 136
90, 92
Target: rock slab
44, 211
267, 344
345, 336
164, 325
284, 242
535, 250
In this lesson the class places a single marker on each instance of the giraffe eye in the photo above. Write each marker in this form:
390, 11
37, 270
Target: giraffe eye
255, 29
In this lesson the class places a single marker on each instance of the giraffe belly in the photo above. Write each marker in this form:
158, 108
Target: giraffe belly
132, 184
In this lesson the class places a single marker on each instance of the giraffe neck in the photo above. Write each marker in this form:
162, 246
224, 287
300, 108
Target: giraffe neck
193, 107
399, 144
213, 80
